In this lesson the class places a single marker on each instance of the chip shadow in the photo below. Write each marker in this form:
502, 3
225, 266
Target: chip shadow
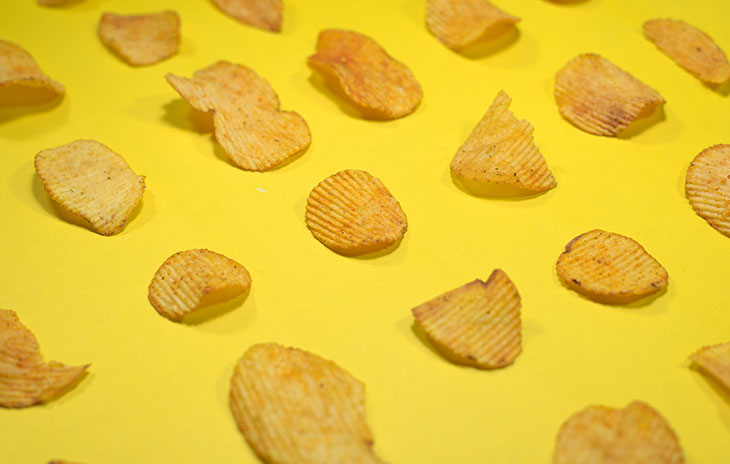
499, 39
18, 101
638, 304
642, 123
493, 191
214, 311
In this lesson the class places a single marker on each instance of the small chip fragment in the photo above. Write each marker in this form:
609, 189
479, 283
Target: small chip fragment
690, 48
352, 213
707, 186
715, 361
255, 134
88, 179
192, 279
460, 23
25, 378
635, 434
141, 40
610, 268
18, 68
262, 14
382, 87
598, 97
295, 407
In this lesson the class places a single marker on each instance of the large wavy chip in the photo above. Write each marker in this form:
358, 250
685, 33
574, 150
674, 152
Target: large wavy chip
382, 87
294, 407
25, 378
707, 186
715, 360
141, 40
262, 14
460, 23
18, 68
598, 97
255, 134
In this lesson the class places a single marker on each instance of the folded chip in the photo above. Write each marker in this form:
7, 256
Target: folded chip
381, 87
262, 14
255, 134
477, 324
18, 68
707, 186
715, 361
460, 23
295, 407
500, 150
635, 434
25, 378
610, 268
141, 40
598, 97
353, 213
89, 180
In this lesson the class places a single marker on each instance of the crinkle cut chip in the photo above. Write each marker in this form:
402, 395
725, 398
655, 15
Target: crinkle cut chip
141, 40
18, 68
460, 23
707, 186
715, 360
262, 14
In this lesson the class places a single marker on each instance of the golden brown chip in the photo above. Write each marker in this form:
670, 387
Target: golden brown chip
141, 40
88, 179
600, 98
192, 279
255, 134
715, 360
477, 324
707, 186
690, 48
55, 2
382, 87
295, 407
610, 268
25, 378
18, 68
459, 23
263, 14
352, 213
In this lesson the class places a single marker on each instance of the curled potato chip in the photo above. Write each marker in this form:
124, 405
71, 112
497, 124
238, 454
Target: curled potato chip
352, 213
25, 378
382, 87
141, 40
715, 360
295, 407
598, 97
707, 186
255, 134
459, 23
89, 180
262, 14
18, 68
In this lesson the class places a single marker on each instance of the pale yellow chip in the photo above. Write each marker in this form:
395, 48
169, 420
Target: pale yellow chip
707, 186
352, 213
500, 150
690, 48
18, 68
91, 181
715, 361
459, 23
141, 40
25, 378
190, 280
600, 98
294, 407
255, 134
262, 14
610, 268
477, 324
380, 86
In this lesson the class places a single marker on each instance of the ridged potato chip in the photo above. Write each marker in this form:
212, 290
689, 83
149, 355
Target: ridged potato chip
477, 324
294, 407
255, 134
460, 23
141, 40
635, 434
192, 279
707, 186
382, 87
598, 97
25, 378
352, 213
610, 268
262, 14
91, 181
715, 360
18, 68
500, 150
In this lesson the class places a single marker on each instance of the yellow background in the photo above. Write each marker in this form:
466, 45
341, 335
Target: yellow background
157, 391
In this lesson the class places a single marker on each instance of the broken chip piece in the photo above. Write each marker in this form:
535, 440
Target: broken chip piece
25, 378
91, 181
715, 361
18, 68
352, 213
141, 40
460, 23
382, 87
477, 324
598, 97
707, 186
262, 14
295, 407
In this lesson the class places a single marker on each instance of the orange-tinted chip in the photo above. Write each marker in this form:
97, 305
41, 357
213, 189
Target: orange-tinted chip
382, 87
715, 360
600, 98
707, 186
263, 14
459, 23
18, 68
141, 40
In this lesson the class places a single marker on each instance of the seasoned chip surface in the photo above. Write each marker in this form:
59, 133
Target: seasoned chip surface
715, 360
459, 23
263, 14
707, 186
141, 40
294, 407
353, 213
17, 67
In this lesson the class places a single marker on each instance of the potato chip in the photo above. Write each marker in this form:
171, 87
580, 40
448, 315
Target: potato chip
477, 324
715, 361
141, 40
500, 150
255, 134
352, 213
598, 97
382, 87
55, 2
610, 268
690, 48
459, 23
262, 14
88, 179
295, 407
18, 68
192, 279
707, 186
635, 434
25, 378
